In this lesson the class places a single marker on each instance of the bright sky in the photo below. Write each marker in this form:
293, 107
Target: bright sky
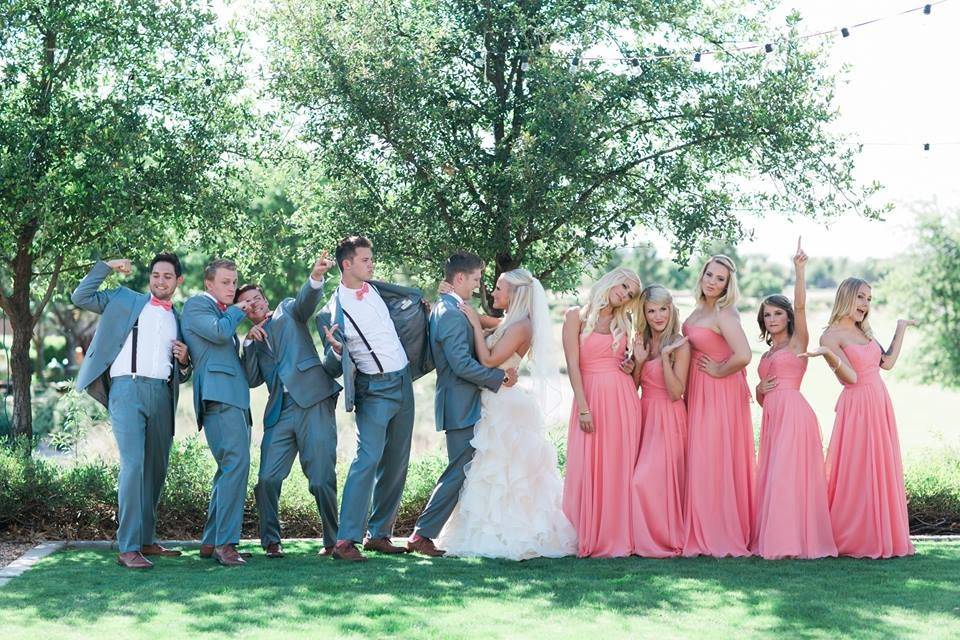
902, 87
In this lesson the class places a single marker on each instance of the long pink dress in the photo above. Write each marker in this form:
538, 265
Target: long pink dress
868, 503
658, 478
596, 489
793, 520
720, 456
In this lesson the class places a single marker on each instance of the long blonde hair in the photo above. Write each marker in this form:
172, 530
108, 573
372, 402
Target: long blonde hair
658, 294
623, 324
846, 301
731, 293
520, 307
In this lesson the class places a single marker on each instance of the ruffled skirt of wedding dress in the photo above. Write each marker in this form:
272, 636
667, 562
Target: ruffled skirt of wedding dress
511, 502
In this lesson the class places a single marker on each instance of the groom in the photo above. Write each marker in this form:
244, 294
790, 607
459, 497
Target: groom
460, 378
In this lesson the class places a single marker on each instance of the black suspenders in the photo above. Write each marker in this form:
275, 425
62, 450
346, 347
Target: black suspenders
362, 337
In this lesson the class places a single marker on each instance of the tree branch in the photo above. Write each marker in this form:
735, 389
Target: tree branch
58, 263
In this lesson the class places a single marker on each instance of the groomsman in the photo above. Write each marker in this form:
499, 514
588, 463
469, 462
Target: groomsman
221, 399
299, 417
378, 383
460, 378
130, 369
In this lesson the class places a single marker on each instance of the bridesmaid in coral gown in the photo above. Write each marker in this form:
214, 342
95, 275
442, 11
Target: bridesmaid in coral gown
662, 356
868, 503
793, 520
604, 432
720, 457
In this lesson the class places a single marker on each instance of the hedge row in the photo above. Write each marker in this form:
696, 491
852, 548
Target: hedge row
39, 497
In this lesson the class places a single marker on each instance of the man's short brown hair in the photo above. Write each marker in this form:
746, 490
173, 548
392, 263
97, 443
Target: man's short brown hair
347, 248
250, 286
461, 262
210, 271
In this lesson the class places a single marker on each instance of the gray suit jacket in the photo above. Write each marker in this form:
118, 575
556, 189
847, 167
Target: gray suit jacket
211, 335
289, 357
460, 376
409, 319
119, 309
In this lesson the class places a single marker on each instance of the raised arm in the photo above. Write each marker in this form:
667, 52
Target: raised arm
801, 336
889, 357
571, 352
202, 319
311, 293
454, 338
86, 295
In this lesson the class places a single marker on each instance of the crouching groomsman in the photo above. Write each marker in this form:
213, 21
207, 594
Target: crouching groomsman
300, 414
134, 367
221, 399
376, 337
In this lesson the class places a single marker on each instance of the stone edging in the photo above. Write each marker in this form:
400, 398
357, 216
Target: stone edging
33, 556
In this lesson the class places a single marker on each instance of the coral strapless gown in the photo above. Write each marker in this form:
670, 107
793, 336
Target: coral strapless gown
793, 520
868, 503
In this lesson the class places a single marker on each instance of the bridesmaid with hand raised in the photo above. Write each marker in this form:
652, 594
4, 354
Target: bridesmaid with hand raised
793, 520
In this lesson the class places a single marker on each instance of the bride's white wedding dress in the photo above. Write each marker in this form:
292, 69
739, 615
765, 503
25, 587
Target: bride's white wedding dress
510, 503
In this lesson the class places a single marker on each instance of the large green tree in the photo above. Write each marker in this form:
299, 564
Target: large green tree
120, 125
541, 133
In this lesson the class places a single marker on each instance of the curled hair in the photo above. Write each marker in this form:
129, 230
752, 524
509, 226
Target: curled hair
623, 325
658, 294
731, 293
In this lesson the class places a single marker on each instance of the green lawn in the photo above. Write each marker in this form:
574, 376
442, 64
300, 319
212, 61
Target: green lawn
83, 594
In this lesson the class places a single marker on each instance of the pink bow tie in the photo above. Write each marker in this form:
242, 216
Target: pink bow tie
221, 306
157, 302
362, 291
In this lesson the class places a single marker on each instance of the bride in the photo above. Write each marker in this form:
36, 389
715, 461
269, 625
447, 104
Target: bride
510, 503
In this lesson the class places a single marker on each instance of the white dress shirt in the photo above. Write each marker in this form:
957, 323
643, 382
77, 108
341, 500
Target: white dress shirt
155, 335
373, 317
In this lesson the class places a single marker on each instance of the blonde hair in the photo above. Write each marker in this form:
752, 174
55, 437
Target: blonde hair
623, 325
658, 294
846, 301
731, 293
519, 306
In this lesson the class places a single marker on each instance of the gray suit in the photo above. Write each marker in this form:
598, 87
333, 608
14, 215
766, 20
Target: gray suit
384, 414
460, 378
221, 398
299, 417
141, 409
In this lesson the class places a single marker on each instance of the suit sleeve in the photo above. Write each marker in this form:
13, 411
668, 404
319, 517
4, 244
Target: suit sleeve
251, 365
332, 364
203, 320
306, 302
86, 295
455, 340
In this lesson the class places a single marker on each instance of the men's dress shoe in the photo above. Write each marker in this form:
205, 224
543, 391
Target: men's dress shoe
206, 551
157, 550
227, 556
347, 551
424, 546
382, 545
133, 560
274, 550
326, 552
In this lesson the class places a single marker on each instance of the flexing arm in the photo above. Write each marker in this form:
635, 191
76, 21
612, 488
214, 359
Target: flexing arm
454, 340
86, 295
200, 317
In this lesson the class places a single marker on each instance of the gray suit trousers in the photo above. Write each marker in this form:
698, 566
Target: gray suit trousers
228, 436
447, 491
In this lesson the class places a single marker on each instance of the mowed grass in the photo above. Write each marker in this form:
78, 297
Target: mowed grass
83, 594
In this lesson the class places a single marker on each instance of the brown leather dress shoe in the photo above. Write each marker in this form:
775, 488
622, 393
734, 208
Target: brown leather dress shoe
274, 550
133, 560
424, 546
382, 545
325, 552
227, 556
347, 551
206, 551
157, 550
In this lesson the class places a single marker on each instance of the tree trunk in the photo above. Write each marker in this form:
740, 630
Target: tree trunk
21, 374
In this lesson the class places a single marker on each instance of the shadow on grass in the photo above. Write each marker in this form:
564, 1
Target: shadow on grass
398, 595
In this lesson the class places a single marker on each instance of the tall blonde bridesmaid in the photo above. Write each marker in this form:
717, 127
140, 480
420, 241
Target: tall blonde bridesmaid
604, 431
793, 520
662, 359
868, 502
720, 456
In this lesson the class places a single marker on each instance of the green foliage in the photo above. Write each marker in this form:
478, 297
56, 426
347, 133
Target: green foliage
448, 125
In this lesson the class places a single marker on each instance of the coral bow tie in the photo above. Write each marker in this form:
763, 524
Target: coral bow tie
157, 302
362, 291
221, 306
